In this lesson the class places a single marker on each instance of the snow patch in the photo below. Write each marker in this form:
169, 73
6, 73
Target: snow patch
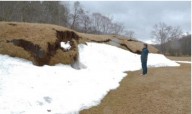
189, 62
65, 45
29, 89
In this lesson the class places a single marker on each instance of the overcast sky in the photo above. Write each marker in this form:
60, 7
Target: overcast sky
140, 16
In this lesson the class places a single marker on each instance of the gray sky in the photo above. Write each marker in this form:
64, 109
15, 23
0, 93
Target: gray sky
140, 16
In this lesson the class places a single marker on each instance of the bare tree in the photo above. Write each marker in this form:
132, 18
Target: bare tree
117, 28
163, 33
75, 16
85, 22
102, 24
106, 23
63, 14
175, 33
96, 17
130, 34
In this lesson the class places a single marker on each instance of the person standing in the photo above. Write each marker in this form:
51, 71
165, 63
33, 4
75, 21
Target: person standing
144, 56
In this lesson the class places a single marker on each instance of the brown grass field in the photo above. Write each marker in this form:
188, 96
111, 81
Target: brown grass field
180, 58
165, 90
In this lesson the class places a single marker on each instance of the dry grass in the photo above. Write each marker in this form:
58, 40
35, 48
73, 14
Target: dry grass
185, 58
163, 91
38, 34
48, 36
131, 45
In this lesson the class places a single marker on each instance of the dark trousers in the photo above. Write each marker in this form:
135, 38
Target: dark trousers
144, 67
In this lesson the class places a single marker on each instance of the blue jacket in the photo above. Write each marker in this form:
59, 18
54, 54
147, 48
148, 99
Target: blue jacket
144, 55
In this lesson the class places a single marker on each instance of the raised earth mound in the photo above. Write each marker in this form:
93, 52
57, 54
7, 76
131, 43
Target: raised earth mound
41, 43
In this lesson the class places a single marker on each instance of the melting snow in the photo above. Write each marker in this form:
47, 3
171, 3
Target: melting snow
189, 62
65, 45
60, 89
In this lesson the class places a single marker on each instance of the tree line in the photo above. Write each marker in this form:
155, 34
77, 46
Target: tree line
53, 12
178, 47
36, 11
171, 41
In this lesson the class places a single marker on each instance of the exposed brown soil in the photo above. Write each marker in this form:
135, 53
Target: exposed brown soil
165, 90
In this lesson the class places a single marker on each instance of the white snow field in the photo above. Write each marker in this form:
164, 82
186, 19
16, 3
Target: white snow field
60, 89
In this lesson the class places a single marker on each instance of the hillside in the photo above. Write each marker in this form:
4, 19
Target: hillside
40, 43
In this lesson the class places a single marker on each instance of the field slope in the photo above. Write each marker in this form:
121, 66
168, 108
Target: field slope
165, 90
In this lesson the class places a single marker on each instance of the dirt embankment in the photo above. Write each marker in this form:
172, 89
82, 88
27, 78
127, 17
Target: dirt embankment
40, 43
132, 45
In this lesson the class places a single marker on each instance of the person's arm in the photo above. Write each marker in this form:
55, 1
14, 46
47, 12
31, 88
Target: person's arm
146, 54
